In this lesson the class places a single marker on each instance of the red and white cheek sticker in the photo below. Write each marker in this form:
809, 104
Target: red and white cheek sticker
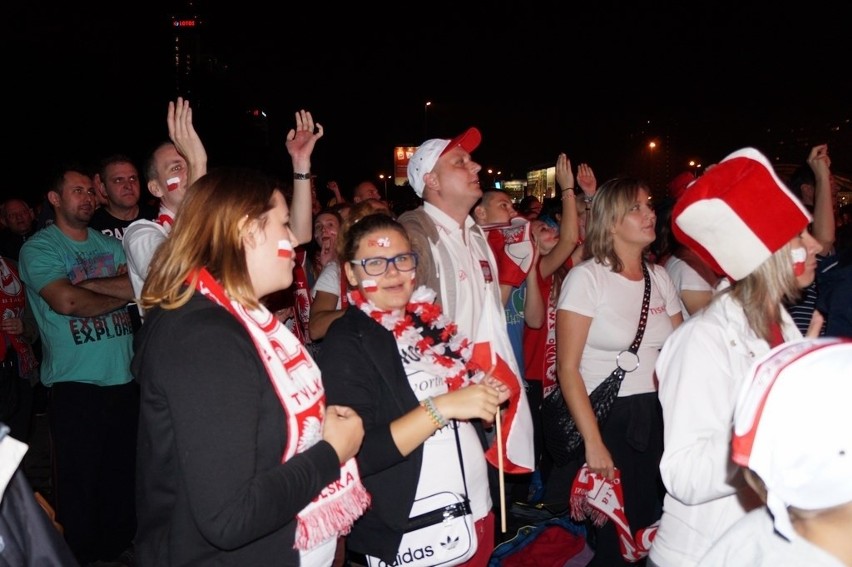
369, 285
800, 256
285, 249
173, 183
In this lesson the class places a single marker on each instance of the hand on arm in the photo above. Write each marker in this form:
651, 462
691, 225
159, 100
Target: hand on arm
343, 429
300, 145
186, 139
76, 301
115, 286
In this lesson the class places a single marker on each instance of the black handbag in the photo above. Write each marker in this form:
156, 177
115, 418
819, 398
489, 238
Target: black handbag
561, 437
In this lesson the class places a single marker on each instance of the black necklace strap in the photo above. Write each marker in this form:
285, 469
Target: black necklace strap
643, 317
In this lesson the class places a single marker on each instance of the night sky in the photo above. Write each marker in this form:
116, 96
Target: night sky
537, 78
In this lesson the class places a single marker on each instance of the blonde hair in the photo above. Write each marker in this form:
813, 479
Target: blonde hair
611, 203
763, 292
208, 233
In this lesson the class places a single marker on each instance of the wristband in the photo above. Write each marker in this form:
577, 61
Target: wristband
429, 405
302, 176
567, 189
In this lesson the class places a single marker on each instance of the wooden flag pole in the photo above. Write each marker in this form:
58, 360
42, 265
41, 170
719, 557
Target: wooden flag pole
500, 472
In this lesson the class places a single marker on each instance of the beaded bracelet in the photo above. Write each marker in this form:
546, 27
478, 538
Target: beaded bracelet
438, 419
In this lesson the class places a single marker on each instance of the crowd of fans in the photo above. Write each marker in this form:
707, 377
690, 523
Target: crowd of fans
237, 373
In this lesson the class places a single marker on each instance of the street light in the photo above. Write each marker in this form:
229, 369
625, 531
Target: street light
425, 118
651, 147
384, 178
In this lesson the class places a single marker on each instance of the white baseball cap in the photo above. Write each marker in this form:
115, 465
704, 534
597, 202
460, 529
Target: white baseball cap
793, 426
426, 156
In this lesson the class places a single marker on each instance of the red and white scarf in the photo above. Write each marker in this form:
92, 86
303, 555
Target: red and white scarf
424, 328
599, 499
165, 218
297, 380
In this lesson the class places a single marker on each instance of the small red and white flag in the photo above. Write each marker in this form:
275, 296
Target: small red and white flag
493, 352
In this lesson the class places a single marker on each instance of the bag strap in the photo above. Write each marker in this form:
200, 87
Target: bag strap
461, 460
643, 317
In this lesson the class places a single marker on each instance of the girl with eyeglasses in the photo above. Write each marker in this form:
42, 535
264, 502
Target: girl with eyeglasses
399, 363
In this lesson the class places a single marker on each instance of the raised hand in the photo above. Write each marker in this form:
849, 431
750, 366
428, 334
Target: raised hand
301, 140
586, 179
564, 175
186, 139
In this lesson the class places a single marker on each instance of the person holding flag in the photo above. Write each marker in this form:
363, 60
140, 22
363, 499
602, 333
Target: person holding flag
401, 364
455, 260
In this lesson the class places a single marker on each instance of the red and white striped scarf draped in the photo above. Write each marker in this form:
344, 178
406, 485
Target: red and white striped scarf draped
298, 383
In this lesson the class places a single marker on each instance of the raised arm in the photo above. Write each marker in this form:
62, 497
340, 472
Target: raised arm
824, 225
186, 139
300, 145
569, 226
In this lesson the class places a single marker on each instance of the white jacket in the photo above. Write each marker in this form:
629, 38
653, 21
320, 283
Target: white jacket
700, 370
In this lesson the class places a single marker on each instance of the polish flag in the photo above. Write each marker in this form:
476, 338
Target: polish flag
492, 350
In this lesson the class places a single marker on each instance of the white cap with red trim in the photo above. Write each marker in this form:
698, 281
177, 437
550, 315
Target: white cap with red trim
426, 156
793, 426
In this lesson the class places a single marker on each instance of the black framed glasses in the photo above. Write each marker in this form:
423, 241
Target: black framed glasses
378, 265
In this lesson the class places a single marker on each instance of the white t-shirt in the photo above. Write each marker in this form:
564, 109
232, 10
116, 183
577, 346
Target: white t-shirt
614, 303
329, 281
753, 542
685, 278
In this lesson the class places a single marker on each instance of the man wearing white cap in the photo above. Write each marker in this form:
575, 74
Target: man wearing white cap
793, 434
741, 219
456, 261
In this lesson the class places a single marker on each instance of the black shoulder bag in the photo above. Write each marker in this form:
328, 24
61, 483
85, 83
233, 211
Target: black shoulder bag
561, 437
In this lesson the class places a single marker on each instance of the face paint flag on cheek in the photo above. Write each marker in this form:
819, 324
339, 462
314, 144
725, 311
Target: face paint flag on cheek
800, 256
369, 286
172, 183
285, 249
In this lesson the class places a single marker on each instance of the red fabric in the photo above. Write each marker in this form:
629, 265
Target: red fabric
484, 528
551, 548
490, 354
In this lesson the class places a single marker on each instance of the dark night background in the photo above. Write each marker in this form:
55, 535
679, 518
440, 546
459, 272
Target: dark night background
83, 80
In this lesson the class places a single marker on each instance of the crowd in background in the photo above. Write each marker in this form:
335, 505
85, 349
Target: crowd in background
235, 371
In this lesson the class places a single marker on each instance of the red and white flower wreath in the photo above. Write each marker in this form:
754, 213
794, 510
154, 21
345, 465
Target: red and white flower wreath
424, 328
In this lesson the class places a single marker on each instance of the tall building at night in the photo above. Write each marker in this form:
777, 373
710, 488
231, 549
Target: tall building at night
187, 48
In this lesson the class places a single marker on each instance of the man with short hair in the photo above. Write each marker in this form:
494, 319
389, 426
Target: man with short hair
171, 168
77, 285
117, 181
365, 190
20, 223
